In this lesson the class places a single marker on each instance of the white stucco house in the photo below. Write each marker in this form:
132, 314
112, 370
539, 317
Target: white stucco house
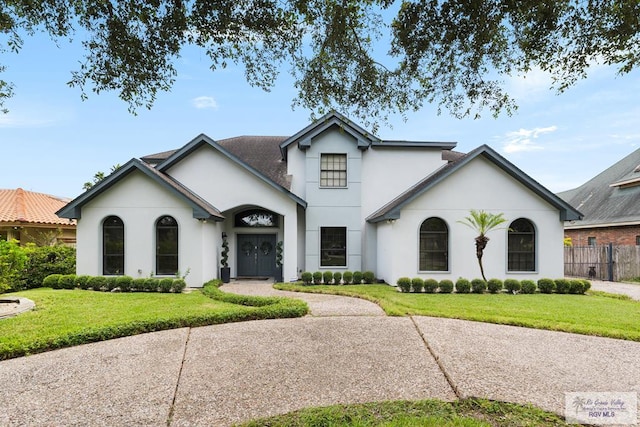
338, 198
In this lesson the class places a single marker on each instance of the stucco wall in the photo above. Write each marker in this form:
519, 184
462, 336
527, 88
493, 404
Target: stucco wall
479, 185
333, 207
139, 202
229, 187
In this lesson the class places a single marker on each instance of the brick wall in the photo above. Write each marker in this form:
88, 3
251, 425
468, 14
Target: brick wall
623, 236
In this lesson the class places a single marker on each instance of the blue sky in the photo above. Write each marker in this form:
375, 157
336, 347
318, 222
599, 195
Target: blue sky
52, 141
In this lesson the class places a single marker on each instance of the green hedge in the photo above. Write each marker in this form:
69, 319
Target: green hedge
110, 283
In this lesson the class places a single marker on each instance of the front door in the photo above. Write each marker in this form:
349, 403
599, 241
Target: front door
256, 255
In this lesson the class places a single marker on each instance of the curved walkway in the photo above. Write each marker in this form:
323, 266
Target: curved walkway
219, 375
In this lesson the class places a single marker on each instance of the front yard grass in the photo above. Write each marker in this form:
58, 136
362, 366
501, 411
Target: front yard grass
64, 318
591, 314
424, 413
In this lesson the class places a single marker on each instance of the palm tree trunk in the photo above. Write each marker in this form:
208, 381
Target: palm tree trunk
481, 243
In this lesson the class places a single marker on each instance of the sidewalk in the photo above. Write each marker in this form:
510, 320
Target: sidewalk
223, 374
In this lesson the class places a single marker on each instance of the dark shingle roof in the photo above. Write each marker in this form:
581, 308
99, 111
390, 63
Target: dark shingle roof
262, 153
603, 200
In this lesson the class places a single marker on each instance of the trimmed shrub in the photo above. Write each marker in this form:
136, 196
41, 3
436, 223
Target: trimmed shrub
138, 284
528, 286
357, 277
430, 285
51, 281
327, 277
151, 285
546, 286
404, 283
111, 282
178, 285
463, 286
317, 277
368, 277
417, 284
337, 278
576, 287
512, 286
562, 286
347, 277
124, 283
586, 284
82, 282
478, 286
97, 282
307, 278
445, 286
494, 285
165, 285
67, 281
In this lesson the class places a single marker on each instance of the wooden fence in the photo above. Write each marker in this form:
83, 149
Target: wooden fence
613, 263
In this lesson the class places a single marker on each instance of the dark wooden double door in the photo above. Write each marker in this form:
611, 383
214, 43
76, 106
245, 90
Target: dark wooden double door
256, 255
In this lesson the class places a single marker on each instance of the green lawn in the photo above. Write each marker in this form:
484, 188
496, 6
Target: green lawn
425, 413
64, 318
592, 314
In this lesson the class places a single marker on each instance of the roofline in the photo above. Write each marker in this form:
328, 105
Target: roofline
304, 136
73, 210
414, 144
391, 211
203, 139
601, 225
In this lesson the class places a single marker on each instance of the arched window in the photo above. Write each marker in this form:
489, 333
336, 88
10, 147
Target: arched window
256, 218
434, 245
112, 246
521, 246
166, 245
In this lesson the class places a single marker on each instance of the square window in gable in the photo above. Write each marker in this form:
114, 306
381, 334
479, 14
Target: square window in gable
333, 170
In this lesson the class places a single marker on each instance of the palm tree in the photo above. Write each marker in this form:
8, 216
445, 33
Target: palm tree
482, 222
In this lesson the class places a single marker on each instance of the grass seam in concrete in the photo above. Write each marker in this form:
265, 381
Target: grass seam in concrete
453, 386
175, 390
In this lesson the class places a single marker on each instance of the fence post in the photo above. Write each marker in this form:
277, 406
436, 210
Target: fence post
610, 262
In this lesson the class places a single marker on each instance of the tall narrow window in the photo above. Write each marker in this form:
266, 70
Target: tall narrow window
434, 245
521, 246
112, 246
166, 245
333, 170
333, 247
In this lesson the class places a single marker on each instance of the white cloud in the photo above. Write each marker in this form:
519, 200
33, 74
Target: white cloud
523, 139
205, 102
533, 84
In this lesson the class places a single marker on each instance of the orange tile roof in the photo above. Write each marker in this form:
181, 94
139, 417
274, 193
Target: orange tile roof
26, 206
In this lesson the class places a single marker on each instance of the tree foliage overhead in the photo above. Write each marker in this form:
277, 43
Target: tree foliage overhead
368, 58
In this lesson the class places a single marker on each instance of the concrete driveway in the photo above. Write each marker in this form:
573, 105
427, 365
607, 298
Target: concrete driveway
219, 375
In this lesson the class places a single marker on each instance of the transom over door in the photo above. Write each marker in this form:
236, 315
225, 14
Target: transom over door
256, 254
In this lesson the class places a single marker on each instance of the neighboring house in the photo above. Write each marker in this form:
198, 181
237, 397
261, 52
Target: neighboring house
610, 203
31, 217
339, 199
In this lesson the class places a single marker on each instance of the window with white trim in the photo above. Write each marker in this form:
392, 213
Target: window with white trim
333, 170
